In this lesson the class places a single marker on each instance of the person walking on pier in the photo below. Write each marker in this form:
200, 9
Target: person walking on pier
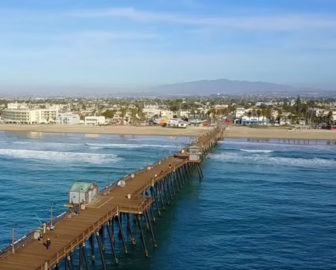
47, 244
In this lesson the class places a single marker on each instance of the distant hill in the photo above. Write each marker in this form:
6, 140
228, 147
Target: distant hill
222, 86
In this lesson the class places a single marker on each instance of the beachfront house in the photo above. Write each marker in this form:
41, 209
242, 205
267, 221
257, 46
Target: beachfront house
240, 112
95, 120
68, 118
82, 192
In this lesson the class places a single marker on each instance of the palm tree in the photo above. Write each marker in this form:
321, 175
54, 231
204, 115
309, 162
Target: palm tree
123, 111
279, 115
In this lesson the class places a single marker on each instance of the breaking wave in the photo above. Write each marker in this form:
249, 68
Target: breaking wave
50, 145
60, 156
261, 159
128, 146
256, 151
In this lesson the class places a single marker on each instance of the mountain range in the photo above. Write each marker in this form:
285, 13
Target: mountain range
233, 87
185, 89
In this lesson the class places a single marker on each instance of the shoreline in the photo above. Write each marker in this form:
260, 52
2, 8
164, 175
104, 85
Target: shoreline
230, 132
112, 130
279, 133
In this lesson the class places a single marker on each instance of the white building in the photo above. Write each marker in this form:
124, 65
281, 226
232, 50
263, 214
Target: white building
167, 114
16, 105
20, 116
20, 113
240, 112
151, 111
29, 116
177, 122
68, 119
154, 110
95, 120
184, 113
47, 116
221, 106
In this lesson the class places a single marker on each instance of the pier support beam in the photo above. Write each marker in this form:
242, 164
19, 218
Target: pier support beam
91, 240
68, 263
112, 241
129, 229
152, 213
142, 235
175, 180
151, 229
200, 173
160, 192
102, 237
121, 234
165, 191
83, 259
100, 246
168, 189
154, 195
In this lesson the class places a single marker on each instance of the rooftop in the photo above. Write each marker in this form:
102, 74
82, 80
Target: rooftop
80, 186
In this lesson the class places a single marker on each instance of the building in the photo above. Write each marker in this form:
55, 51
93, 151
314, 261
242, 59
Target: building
82, 192
17, 113
47, 116
195, 153
68, 119
95, 120
19, 116
247, 120
240, 112
221, 107
152, 111
16, 105
177, 123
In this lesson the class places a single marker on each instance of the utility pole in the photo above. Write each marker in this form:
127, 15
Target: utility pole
51, 217
13, 240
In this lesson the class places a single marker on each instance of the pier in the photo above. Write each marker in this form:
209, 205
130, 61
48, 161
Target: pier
131, 203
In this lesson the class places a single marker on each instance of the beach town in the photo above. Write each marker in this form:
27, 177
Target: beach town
270, 118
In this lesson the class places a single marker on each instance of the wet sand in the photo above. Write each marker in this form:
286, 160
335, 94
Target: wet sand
279, 133
119, 130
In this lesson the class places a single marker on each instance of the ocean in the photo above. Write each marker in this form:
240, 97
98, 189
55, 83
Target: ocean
261, 204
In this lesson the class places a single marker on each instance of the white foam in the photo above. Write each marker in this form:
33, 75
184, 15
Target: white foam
257, 151
275, 161
129, 146
49, 145
60, 156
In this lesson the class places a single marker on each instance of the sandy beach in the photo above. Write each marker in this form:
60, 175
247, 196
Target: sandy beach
119, 130
231, 132
279, 133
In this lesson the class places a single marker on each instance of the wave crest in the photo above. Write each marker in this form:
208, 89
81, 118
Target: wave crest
273, 161
257, 151
60, 156
129, 146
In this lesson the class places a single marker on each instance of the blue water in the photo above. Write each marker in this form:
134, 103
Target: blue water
265, 205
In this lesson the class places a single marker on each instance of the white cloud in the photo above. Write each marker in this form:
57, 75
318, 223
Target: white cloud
108, 36
284, 22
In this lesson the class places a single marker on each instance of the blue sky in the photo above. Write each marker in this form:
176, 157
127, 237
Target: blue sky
132, 42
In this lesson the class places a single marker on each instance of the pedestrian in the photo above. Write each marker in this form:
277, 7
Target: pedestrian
47, 244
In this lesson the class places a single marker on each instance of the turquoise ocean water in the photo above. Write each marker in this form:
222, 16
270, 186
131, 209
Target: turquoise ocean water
261, 205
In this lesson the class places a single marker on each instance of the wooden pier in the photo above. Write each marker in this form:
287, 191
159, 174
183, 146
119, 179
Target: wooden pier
134, 200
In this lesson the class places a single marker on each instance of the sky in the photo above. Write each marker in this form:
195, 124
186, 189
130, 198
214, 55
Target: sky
112, 43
